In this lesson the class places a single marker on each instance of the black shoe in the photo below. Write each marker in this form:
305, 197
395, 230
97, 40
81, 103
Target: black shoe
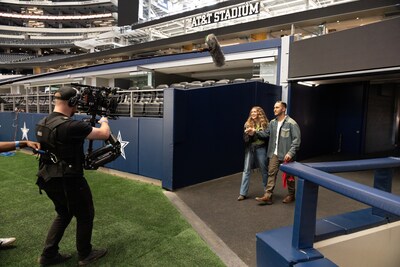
59, 258
94, 255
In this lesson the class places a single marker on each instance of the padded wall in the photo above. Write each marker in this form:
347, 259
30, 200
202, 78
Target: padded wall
127, 131
150, 147
206, 139
8, 128
19, 121
141, 140
200, 137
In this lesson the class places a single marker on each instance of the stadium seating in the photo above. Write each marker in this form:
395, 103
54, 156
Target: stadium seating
257, 79
223, 81
193, 85
4, 57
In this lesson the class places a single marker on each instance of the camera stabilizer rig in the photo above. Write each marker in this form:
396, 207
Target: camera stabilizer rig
100, 157
102, 101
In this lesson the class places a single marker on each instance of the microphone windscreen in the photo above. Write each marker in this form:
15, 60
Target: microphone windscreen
215, 50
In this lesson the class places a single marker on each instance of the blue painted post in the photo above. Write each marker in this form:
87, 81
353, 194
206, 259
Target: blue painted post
305, 214
383, 181
168, 139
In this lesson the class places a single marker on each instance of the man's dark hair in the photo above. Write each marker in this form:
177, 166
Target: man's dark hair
282, 103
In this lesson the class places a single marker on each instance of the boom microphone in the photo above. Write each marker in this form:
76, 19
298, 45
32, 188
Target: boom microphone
215, 50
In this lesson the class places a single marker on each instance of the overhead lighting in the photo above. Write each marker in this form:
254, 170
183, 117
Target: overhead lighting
265, 59
222, 45
138, 73
50, 17
309, 84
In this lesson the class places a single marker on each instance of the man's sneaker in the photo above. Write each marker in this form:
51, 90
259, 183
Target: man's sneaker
240, 198
94, 255
6, 242
59, 258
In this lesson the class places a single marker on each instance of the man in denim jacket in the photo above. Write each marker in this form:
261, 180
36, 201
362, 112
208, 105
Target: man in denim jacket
284, 141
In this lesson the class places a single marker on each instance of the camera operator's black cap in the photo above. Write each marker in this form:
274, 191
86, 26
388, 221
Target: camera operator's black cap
66, 93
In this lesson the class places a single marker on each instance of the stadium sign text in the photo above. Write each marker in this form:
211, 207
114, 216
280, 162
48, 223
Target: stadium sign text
243, 10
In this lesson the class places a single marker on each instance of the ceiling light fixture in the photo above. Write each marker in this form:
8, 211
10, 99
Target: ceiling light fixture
309, 84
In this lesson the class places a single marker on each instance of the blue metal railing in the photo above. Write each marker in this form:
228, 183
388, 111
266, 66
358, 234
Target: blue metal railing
311, 176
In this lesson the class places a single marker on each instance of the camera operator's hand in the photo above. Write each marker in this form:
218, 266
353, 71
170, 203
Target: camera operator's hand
103, 119
101, 133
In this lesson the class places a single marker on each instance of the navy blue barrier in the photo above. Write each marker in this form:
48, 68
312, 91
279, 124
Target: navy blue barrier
288, 246
199, 138
203, 130
8, 127
141, 140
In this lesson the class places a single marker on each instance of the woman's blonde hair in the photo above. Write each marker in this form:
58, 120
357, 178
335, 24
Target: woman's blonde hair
261, 120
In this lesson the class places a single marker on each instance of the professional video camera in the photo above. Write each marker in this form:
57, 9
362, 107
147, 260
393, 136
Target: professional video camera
95, 100
102, 101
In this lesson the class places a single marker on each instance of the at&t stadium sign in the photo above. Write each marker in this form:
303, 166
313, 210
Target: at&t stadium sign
243, 10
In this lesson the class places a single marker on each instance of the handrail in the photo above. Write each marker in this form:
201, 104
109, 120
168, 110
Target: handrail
309, 180
355, 165
353, 190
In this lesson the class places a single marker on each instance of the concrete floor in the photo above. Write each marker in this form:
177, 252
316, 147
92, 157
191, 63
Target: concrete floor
232, 225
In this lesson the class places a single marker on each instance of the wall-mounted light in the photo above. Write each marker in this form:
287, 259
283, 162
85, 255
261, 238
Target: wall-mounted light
309, 84
264, 59
138, 73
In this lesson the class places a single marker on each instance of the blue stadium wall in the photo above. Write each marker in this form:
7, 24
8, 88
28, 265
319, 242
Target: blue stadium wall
199, 139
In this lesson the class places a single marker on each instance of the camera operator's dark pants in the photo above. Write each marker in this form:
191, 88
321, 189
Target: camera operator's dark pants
71, 197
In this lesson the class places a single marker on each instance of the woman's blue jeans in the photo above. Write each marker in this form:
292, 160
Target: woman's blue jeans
259, 154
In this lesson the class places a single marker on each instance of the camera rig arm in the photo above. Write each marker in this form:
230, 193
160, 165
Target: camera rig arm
99, 101
99, 157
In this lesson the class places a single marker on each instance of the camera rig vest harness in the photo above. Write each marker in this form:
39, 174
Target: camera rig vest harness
59, 160
56, 158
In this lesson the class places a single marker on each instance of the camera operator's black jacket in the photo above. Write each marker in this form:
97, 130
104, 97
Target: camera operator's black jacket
61, 159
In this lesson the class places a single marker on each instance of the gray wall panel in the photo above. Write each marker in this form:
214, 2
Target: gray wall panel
371, 46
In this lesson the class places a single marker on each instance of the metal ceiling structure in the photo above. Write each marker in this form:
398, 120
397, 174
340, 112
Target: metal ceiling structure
153, 10
162, 19
166, 30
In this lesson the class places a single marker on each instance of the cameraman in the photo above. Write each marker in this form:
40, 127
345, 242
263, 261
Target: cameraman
5, 147
61, 176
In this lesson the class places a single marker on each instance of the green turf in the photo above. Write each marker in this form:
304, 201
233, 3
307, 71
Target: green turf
134, 220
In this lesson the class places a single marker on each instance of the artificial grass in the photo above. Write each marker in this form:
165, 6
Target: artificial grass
134, 220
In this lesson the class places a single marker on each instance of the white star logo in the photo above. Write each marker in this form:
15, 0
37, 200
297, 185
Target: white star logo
123, 144
24, 132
